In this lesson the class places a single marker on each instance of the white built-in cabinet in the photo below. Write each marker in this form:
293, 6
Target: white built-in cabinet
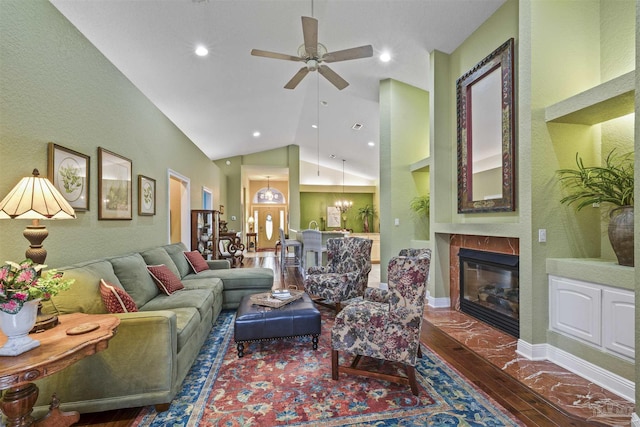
596, 314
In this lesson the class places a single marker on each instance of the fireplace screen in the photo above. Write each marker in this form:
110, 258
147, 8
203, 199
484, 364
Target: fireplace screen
489, 288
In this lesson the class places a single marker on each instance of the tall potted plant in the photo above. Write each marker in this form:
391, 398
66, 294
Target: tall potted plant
610, 184
364, 213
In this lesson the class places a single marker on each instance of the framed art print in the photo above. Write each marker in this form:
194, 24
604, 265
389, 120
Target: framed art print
146, 195
114, 186
333, 217
68, 171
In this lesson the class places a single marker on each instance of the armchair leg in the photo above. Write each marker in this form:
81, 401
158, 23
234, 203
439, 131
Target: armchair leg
411, 374
419, 351
353, 369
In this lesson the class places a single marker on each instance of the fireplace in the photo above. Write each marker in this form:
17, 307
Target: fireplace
489, 288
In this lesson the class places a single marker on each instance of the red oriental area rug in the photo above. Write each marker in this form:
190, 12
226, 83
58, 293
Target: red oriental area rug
286, 382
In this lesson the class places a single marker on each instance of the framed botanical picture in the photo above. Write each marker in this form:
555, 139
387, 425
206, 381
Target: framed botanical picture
68, 171
146, 195
114, 186
333, 216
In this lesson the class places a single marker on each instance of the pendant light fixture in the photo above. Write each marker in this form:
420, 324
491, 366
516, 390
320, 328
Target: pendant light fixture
268, 194
344, 204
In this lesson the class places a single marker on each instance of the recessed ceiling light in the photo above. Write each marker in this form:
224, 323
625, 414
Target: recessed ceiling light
371, 143
385, 57
256, 134
314, 126
332, 156
356, 126
324, 103
202, 51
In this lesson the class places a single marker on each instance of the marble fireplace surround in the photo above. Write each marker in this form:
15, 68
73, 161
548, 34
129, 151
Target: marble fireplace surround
503, 245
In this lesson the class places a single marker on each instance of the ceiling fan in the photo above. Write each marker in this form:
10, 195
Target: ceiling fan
314, 54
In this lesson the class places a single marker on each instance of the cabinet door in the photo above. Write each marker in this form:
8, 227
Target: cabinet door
574, 308
618, 315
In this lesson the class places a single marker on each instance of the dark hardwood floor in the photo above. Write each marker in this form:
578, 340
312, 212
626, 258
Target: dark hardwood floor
530, 408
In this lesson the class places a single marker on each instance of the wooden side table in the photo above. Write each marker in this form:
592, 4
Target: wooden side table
252, 242
77, 336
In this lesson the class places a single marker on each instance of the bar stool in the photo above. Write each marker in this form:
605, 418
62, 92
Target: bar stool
285, 244
312, 242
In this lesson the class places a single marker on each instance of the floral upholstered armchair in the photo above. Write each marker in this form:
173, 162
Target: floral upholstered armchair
388, 331
346, 274
382, 295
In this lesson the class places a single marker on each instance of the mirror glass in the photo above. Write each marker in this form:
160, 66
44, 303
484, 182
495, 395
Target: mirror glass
486, 134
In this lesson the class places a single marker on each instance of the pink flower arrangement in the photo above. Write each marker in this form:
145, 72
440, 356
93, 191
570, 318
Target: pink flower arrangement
20, 283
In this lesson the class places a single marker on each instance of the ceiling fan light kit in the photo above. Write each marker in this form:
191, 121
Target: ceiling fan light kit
313, 54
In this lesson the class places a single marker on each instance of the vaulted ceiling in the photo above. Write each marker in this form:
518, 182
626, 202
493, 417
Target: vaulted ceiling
221, 99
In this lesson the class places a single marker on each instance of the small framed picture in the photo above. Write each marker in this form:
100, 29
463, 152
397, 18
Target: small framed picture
114, 186
68, 171
146, 195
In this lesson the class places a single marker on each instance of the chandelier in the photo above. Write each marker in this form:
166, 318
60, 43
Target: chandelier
344, 204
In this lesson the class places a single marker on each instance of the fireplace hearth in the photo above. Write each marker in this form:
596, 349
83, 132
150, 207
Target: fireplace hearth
489, 288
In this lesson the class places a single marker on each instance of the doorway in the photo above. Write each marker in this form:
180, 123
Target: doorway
269, 221
179, 206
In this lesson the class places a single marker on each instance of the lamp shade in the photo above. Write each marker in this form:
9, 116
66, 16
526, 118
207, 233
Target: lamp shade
35, 197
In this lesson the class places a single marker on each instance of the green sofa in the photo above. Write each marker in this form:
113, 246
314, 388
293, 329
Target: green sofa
154, 348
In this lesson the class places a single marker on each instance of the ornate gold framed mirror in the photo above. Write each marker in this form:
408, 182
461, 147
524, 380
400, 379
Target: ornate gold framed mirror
486, 134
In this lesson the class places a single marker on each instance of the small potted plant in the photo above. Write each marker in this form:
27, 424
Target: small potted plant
610, 184
420, 209
21, 289
420, 206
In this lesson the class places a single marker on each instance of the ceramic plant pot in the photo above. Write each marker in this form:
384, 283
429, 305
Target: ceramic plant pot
16, 327
621, 234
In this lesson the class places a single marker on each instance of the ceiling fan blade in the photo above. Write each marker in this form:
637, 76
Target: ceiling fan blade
347, 54
310, 34
297, 78
274, 55
333, 77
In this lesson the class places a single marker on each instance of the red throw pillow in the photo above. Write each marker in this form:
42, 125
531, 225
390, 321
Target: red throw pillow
165, 279
196, 261
116, 299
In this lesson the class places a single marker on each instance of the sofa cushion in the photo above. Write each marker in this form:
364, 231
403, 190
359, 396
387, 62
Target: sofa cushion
83, 295
196, 261
245, 278
134, 277
158, 256
176, 252
200, 299
116, 299
165, 279
194, 281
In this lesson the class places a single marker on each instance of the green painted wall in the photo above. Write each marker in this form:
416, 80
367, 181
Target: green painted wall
313, 207
574, 46
55, 86
637, 217
445, 70
404, 139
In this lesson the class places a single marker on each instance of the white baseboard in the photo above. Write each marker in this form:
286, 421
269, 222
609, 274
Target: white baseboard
597, 375
532, 351
444, 302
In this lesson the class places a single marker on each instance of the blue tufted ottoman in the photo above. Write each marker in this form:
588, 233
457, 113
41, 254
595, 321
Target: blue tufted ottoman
259, 323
